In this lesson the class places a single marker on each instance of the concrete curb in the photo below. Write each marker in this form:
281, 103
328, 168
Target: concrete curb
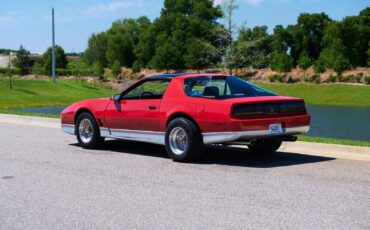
308, 148
29, 120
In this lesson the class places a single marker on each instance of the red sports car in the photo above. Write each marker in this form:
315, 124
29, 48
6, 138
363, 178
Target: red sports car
185, 112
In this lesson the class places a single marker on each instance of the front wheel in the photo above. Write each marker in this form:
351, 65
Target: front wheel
184, 142
264, 147
87, 131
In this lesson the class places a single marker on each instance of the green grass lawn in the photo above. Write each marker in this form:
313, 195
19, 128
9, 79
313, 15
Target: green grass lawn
327, 140
328, 94
35, 93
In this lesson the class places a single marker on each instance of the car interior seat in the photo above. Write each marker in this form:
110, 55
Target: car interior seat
211, 91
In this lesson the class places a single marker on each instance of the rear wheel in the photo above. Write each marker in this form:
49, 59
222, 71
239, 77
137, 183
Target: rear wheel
264, 147
184, 142
87, 131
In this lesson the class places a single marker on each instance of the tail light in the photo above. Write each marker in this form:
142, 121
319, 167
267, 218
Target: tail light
270, 109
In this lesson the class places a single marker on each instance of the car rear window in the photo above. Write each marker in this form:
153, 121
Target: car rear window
222, 87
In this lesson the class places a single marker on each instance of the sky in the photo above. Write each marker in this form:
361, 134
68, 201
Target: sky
28, 22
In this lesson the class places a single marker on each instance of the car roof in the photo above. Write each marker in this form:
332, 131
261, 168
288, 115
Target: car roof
182, 75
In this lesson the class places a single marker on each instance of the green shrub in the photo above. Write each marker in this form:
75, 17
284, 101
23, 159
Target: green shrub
13, 71
276, 78
332, 79
341, 78
136, 67
314, 79
353, 79
63, 72
292, 80
367, 80
38, 70
24, 71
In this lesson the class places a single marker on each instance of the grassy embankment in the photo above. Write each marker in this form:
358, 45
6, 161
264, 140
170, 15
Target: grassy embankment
324, 94
38, 93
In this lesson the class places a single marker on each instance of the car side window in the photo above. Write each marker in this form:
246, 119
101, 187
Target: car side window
209, 87
153, 89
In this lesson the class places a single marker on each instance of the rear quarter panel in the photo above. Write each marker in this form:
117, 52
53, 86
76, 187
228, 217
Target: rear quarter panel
209, 114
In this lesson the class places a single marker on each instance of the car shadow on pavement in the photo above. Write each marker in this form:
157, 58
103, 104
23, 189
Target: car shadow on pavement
219, 155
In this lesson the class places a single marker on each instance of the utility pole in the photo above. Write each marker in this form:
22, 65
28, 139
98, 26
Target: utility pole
53, 47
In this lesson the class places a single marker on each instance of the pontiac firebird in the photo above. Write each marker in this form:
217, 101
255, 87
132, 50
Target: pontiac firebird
185, 112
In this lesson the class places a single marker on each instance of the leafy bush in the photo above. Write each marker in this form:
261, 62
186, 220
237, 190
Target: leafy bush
314, 79
367, 80
353, 79
332, 79
13, 71
292, 80
276, 78
319, 67
136, 67
341, 78
38, 70
63, 72
281, 62
24, 71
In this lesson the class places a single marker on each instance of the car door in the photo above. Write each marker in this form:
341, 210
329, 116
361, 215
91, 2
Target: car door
138, 109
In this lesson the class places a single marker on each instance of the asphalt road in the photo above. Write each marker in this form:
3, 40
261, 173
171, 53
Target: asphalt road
48, 182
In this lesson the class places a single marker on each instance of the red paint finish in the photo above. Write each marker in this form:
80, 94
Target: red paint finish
133, 114
210, 115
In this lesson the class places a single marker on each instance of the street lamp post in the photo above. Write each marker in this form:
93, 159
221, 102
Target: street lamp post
53, 48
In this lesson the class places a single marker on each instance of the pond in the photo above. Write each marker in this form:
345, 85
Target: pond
352, 123
344, 122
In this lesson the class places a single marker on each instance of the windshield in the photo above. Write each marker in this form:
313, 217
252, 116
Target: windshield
222, 87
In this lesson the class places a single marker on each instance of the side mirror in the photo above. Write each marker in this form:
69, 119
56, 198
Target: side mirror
117, 97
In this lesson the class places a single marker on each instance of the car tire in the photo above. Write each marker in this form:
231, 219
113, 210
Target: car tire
87, 131
184, 141
264, 147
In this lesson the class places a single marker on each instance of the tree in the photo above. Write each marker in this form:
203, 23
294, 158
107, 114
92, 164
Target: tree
304, 62
255, 45
199, 54
281, 62
60, 59
97, 70
96, 49
123, 36
167, 56
319, 67
116, 68
22, 60
368, 55
180, 24
231, 58
311, 31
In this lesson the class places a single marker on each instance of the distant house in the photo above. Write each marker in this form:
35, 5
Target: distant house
5, 58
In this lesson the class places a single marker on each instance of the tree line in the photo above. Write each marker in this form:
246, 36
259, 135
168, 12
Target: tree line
191, 34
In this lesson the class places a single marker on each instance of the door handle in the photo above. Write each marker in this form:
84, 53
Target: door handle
152, 107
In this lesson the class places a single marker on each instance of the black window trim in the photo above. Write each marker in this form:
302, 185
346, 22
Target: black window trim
139, 83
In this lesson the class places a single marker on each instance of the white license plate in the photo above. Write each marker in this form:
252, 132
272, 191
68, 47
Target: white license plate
276, 129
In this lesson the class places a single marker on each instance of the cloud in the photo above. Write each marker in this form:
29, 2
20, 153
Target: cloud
6, 20
250, 2
253, 2
111, 7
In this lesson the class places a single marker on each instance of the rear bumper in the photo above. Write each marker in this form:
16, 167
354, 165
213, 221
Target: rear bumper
223, 137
